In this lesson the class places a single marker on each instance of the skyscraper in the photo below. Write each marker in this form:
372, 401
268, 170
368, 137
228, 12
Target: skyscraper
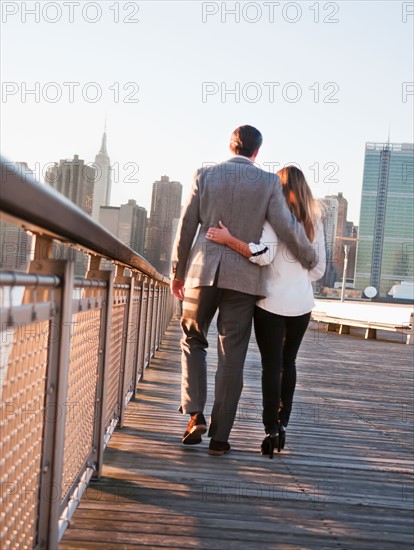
352, 231
165, 206
343, 229
15, 243
103, 180
128, 222
386, 224
330, 222
342, 215
337, 252
75, 180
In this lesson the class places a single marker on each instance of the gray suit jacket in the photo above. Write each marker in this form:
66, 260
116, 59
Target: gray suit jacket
242, 196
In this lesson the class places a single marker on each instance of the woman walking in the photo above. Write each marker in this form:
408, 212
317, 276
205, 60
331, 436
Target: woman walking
282, 317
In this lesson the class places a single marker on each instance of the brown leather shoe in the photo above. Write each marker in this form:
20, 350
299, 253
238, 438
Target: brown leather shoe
196, 427
218, 448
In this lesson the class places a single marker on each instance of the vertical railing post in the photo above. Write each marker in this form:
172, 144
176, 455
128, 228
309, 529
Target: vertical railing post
127, 347
162, 312
56, 397
161, 315
50, 489
147, 328
151, 328
159, 318
136, 321
170, 306
141, 334
143, 324
153, 319
164, 307
104, 359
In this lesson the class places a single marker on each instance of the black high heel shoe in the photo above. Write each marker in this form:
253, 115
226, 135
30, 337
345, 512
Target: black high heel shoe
269, 444
282, 438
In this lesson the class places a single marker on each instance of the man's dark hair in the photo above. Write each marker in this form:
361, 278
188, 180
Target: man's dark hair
245, 140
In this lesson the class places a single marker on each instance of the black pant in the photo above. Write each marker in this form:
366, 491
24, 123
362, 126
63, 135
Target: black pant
278, 338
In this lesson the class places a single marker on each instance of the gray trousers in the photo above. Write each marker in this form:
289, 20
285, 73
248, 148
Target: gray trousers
234, 324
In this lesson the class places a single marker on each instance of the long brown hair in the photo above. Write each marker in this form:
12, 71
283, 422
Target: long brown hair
300, 199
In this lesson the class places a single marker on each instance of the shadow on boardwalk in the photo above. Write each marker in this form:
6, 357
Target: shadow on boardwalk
344, 480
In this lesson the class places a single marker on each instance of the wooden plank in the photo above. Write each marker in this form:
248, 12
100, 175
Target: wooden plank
344, 479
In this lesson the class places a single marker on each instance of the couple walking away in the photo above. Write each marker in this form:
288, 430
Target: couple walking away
248, 244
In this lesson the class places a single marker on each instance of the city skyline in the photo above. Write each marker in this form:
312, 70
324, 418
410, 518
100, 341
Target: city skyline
172, 103
114, 168
39, 171
129, 221
337, 226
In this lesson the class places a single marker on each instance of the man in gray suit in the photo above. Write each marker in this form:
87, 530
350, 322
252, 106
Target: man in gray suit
210, 276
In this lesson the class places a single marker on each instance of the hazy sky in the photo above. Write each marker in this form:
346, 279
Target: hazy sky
319, 79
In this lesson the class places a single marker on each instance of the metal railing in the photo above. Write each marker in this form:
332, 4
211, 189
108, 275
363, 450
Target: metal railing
73, 350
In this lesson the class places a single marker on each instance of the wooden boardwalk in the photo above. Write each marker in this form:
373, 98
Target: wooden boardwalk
344, 480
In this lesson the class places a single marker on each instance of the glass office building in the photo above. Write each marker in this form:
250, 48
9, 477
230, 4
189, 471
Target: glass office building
386, 224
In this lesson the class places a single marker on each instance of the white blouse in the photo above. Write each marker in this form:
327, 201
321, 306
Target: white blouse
288, 285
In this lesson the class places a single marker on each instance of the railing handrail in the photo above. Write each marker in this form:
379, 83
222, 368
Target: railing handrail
76, 345
43, 208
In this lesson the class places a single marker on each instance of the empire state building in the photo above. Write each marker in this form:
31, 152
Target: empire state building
103, 180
